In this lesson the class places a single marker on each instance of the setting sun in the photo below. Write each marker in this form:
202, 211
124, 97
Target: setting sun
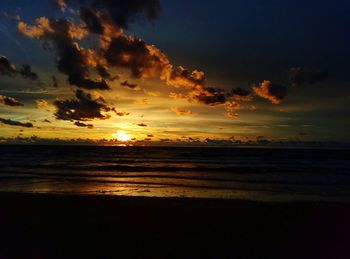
121, 135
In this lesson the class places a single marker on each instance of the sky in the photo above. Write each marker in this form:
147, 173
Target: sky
175, 70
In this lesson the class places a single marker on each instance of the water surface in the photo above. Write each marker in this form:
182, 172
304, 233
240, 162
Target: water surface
234, 173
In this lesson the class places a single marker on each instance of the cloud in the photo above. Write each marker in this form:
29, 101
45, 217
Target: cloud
16, 123
104, 22
299, 76
213, 96
209, 96
81, 124
72, 60
134, 54
9, 101
151, 93
240, 94
41, 104
26, 72
275, 93
61, 4
122, 12
83, 108
92, 20
231, 109
128, 85
9, 69
181, 77
142, 125
6, 68
177, 96
116, 50
121, 114
181, 112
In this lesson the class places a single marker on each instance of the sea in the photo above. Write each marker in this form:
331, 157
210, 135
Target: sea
246, 173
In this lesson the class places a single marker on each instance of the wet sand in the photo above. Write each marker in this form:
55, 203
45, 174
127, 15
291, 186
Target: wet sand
54, 226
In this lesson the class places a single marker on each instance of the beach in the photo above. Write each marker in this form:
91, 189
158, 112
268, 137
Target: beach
92, 226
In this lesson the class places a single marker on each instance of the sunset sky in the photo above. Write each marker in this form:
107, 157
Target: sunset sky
175, 70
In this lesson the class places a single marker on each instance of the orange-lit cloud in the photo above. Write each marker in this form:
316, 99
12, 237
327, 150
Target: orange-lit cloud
272, 92
181, 112
41, 104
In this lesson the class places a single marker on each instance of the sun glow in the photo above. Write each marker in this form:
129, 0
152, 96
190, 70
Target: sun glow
121, 135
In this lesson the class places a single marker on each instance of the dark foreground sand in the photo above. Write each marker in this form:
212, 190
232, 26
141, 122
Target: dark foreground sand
52, 226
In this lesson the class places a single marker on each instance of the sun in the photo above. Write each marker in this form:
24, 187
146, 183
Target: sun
121, 135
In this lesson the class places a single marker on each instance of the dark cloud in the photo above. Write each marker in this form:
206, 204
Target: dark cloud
240, 94
81, 124
213, 96
83, 108
9, 69
104, 73
130, 86
92, 20
122, 12
6, 68
9, 101
121, 114
142, 125
16, 123
210, 96
272, 92
26, 72
132, 53
299, 76
72, 60
125, 11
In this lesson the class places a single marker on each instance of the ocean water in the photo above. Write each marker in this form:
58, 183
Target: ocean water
229, 173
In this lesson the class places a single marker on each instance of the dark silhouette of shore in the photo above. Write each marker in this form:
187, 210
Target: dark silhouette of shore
53, 226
